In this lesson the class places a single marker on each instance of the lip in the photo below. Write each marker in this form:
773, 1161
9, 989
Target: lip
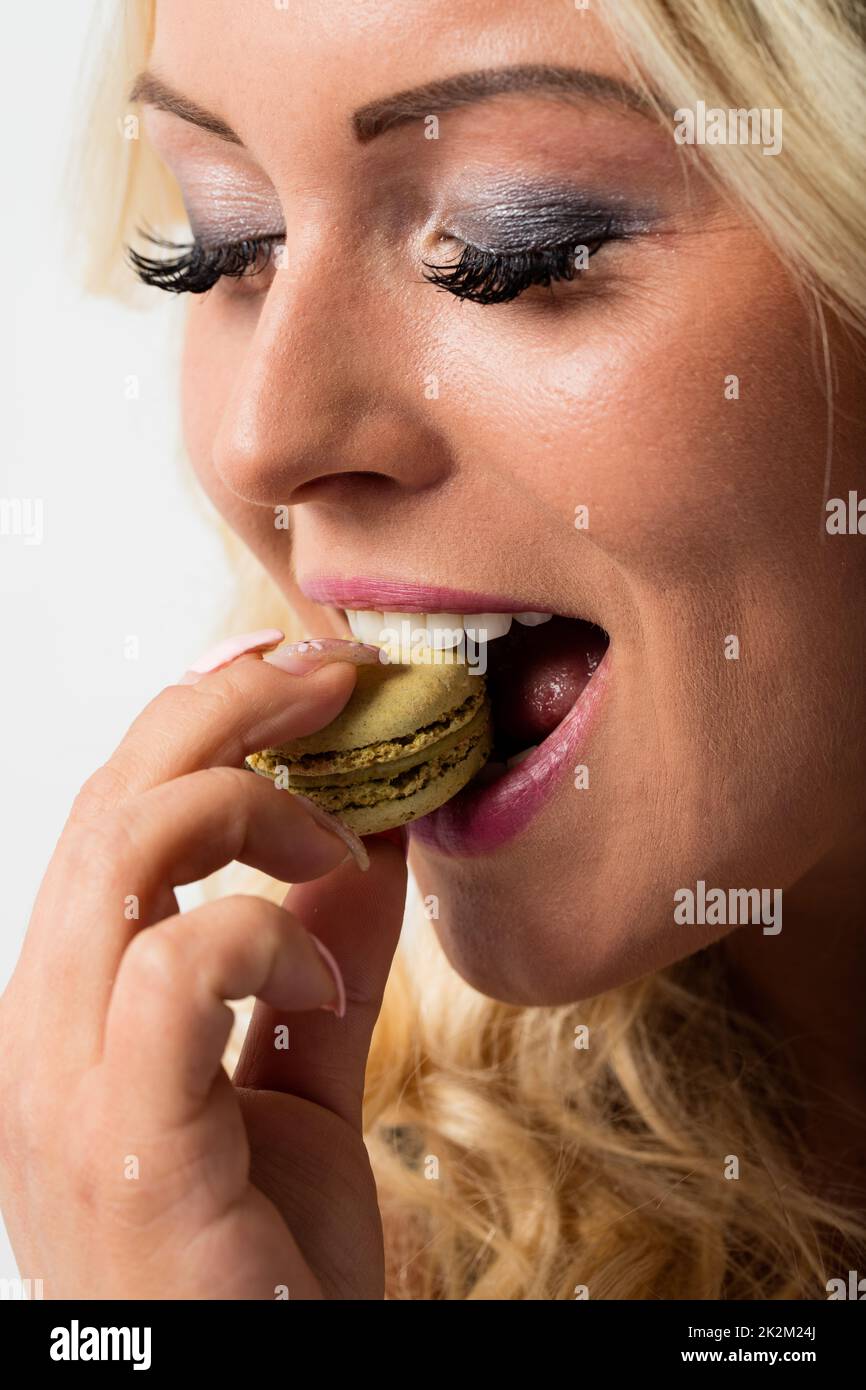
479, 819
482, 819
391, 596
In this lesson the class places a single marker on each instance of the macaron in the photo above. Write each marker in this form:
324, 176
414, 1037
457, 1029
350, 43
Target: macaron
409, 738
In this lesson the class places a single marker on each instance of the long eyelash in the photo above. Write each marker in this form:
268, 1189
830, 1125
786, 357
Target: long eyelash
196, 268
493, 277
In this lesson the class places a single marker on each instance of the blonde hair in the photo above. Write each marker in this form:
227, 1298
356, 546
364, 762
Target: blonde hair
511, 1162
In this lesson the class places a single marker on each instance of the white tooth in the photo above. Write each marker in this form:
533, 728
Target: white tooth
393, 624
411, 630
519, 757
444, 630
352, 619
367, 626
484, 627
532, 619
414, 625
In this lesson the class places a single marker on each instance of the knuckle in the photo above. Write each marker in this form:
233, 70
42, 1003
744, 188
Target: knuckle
213, 699
213, 702
155, 960
254, 911
221, 694
227, 782
105, 788
99, 845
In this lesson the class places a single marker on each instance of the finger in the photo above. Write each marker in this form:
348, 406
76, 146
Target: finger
125, 867
168, 1022
250, 704
358, 916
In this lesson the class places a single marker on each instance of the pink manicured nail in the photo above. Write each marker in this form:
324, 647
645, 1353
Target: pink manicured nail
339, 1008
300, 658
227, 651
353, 842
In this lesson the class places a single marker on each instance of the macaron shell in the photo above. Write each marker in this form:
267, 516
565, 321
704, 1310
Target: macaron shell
409, 738
391, 702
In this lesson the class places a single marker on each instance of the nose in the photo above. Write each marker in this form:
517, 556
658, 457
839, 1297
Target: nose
326, 401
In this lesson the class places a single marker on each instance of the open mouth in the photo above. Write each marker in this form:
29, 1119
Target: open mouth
544, 673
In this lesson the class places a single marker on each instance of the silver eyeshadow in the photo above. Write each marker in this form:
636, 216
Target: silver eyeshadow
526, 217
226, 206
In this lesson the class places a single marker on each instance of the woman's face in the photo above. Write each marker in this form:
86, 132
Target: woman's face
674, 389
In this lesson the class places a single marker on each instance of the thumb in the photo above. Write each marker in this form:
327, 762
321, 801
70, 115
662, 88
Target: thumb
358, 917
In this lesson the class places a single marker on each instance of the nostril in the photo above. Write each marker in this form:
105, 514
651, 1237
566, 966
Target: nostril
351, 485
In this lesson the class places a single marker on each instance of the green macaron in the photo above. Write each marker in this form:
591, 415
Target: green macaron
409, 738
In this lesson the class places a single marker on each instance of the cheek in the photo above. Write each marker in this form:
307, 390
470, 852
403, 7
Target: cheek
686, 413
212, 355
201, 386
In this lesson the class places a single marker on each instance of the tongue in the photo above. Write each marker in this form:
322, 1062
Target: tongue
535, 675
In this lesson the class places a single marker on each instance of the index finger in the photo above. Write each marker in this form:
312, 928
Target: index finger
252, 703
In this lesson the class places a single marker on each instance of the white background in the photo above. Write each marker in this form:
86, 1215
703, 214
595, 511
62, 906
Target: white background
129, 548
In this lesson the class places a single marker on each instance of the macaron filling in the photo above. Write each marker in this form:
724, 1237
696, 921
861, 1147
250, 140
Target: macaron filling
353, 796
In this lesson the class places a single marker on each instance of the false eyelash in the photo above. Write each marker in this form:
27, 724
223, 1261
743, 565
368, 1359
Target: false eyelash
494, 277
197, 268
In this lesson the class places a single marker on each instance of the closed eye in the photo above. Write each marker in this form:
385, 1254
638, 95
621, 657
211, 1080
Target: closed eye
478, 275
196, 267
495, 277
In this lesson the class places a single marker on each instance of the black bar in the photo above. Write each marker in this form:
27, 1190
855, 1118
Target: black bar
243, 1337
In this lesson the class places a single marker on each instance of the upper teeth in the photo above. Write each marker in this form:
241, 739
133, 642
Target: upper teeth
438, 630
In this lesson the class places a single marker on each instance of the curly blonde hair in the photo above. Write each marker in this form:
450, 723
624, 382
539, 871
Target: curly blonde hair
589, 1149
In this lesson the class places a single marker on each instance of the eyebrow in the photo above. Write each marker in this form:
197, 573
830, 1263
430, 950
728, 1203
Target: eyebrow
151, 89
568, 84
446, 94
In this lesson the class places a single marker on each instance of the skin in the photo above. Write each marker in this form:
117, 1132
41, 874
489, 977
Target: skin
305, 388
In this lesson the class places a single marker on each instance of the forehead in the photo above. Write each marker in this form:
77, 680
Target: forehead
269, 70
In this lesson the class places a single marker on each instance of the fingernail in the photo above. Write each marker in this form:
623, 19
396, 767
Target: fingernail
339, 1005
299, 658
353, 842
229, 650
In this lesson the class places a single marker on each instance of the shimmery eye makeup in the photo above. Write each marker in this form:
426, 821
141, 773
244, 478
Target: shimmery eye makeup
521, 218
529, 238
520, 237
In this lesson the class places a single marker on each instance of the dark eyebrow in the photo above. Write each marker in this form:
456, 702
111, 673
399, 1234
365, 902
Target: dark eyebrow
569, 84
151, 89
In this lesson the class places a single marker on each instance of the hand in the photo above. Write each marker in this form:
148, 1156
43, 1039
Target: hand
130, 1165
